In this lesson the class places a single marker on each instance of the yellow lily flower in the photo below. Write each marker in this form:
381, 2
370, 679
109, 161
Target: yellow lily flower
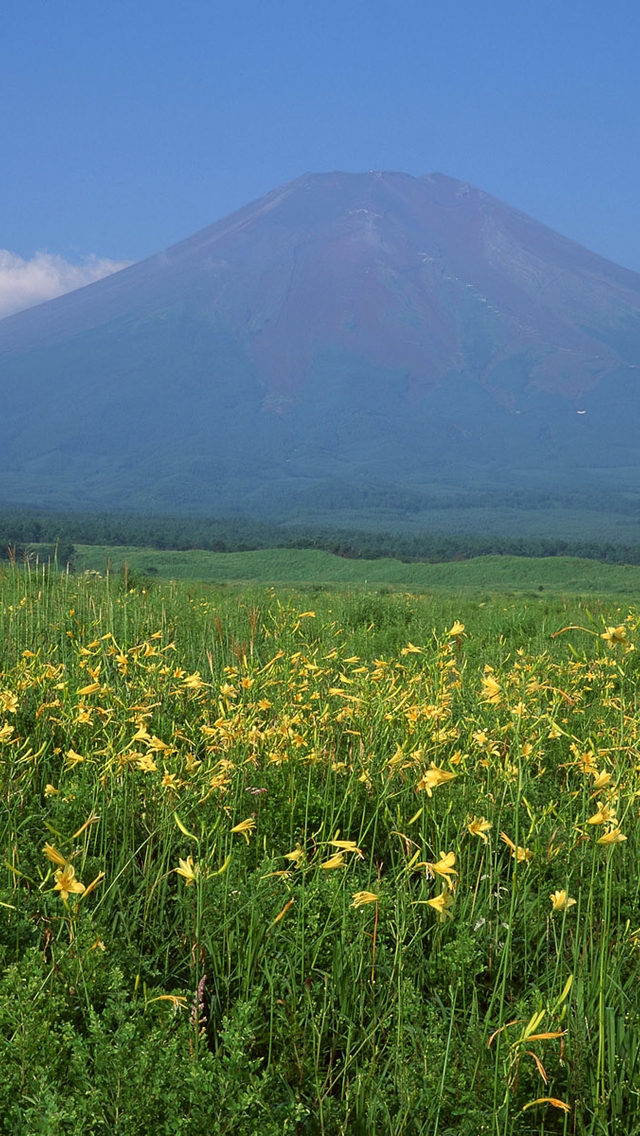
93, 819
560, 901
72, 758
348, 846
170, 781
479, 827
336, 861
601, 780
193, 681
518, 853
92, 688
66, 883
9, 701
146, 764
433, 778
615, 635
360, 898
548, 1100
444, 866
613, 836
56, 857
441, 904
411, 649
491, 690
188, 870
282, 913
245, 827
92, 887
604, 815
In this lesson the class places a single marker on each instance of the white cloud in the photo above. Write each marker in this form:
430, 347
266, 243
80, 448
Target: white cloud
24, 283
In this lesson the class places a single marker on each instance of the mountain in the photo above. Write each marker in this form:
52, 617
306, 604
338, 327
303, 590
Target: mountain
345, 331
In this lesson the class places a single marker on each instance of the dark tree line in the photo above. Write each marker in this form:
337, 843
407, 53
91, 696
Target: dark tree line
52, 536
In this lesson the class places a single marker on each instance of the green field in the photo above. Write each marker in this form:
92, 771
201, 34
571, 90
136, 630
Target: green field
309, 566
320, 860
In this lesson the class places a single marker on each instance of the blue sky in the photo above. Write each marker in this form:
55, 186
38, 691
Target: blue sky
126, 126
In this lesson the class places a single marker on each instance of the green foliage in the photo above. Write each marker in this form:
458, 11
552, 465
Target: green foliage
483, 574
185, 740
364, 522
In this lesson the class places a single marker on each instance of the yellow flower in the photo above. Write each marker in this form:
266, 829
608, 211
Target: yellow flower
441, 903
92, 688
411, 649
146, 764
56, 857
193, 681
601, 779
170, 781
518, 853
613, 836
444, 866
434, 777
188, 870
362, 897
615, 635
92, 887
548, 1100
604, 815
336, 861
456, 631
50, 790
491, 690
245, 827
66, 883
560, 901
177, 1000
347, 846
586, 761
479, 827
8, 701
72, 758
297, 856
282, 913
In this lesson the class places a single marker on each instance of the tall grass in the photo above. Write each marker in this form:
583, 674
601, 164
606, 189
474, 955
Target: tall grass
316, 863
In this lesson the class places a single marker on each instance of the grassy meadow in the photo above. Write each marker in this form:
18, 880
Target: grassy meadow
288, 861
295, 566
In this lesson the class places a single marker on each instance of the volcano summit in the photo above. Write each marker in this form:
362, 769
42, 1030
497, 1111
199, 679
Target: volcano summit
346, 328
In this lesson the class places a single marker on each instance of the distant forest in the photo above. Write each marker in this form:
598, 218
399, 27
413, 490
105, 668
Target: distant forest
25, 534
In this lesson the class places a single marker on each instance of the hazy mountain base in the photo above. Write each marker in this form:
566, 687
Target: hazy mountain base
143, 430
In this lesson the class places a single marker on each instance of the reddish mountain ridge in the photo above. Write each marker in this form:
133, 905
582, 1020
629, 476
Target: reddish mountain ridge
427, 281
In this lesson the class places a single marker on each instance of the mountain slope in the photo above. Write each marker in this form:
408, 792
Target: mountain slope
346, 327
